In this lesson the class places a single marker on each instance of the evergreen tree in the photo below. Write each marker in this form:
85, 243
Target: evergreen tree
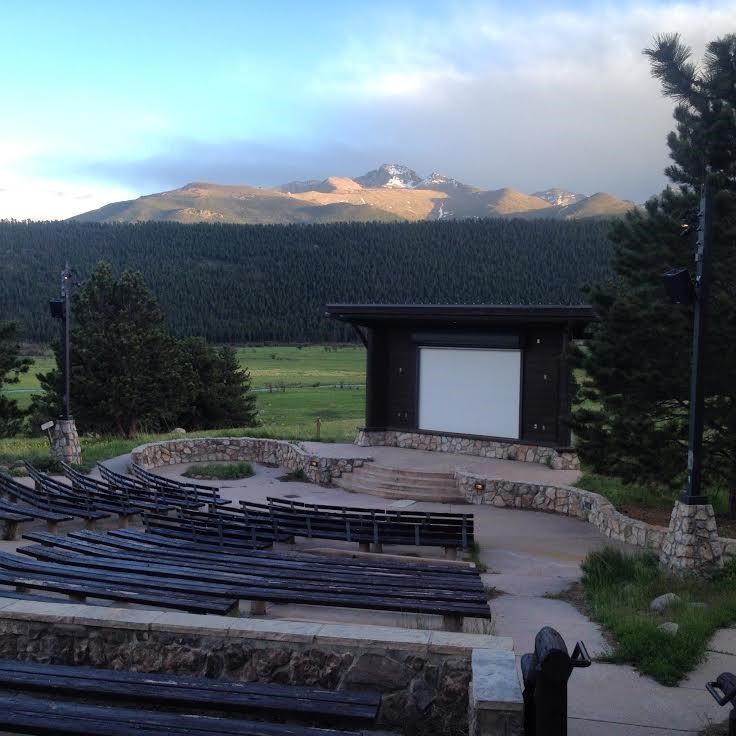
126, 375
11, 368
222, 395
633, 419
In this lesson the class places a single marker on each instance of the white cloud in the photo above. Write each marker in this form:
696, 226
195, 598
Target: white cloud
38, 198
556, 97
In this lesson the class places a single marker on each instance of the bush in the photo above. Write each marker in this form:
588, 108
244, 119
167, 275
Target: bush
220, 471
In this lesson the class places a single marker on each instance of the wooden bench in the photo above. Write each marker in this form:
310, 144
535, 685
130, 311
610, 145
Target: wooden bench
316, 581
102, 488
302, 563
214, 530
457, 527
93, 501
366, 528
48, 506
205, 494
196, 694
139, 489
80, 583
42, 717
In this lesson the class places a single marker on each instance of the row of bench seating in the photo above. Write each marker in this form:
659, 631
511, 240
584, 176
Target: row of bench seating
365, 526
205, 494
93, 500
261, 521
138, 493
44, 505
60, 699
194, 576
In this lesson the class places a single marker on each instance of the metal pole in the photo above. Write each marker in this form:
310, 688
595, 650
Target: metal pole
66, 277
693, 494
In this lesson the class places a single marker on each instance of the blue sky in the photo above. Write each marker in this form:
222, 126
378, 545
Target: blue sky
104, 101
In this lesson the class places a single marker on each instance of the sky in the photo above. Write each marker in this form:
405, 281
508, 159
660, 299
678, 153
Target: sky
107, 101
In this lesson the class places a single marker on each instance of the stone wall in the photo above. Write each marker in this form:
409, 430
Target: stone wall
570, 501
423, 676
692, 542
285, 454
465, 446
65, 442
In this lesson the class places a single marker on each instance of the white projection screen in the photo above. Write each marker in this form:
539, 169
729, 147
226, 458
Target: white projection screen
470, 391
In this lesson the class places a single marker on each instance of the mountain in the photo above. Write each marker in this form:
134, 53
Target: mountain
389, 193
597, 205
393, 176
559, 197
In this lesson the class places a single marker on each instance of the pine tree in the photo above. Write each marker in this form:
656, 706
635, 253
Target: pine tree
11, 368
221, 395
125, 375
633, 418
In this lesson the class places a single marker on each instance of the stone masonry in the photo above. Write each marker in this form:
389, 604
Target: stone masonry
423, 677
691, 542
585, 505
477, 489
466, 446
65, 442
288, 455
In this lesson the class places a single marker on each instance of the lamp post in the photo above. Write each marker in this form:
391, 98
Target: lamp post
693, 494
64, 439
66, 288
691, 542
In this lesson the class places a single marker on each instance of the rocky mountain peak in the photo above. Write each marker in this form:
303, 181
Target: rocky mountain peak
390, 176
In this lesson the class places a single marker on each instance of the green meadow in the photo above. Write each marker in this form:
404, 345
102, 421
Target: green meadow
294, 386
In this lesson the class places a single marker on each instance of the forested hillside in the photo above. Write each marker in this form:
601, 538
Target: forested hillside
252, 283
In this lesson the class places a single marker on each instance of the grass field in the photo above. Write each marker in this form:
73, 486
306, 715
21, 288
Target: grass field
294, 386
274, 367
310, 365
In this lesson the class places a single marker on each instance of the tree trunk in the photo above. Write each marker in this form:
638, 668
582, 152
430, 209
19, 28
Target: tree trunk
732, 502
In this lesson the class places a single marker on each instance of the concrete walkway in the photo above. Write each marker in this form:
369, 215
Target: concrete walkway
529, 556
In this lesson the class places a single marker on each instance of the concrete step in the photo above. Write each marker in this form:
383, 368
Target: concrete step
385, 472
402, 484
394, 494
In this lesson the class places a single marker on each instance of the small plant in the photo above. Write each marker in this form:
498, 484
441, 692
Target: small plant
474, 557
220, 471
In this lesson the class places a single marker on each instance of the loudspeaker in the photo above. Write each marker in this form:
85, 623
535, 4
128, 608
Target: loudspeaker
679, 286
56, 306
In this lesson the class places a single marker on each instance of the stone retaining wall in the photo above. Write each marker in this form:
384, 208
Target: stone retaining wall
570, 501
285, 454
465, 446
423, 676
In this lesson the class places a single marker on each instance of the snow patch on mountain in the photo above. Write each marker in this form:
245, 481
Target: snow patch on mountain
390, 176
559, 197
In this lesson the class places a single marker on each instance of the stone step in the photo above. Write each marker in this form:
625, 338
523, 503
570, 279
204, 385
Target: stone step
440, 495
404, 482
404, 486
378, 471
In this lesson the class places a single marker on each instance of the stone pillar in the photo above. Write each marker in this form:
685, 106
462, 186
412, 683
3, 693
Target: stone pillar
65, 442
691, 543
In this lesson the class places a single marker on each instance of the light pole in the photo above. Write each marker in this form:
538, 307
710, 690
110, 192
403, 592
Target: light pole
693, 494
691, 542
64, 438
66, 288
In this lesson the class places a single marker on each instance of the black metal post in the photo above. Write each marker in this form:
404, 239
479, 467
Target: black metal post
693, 495
66, 284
